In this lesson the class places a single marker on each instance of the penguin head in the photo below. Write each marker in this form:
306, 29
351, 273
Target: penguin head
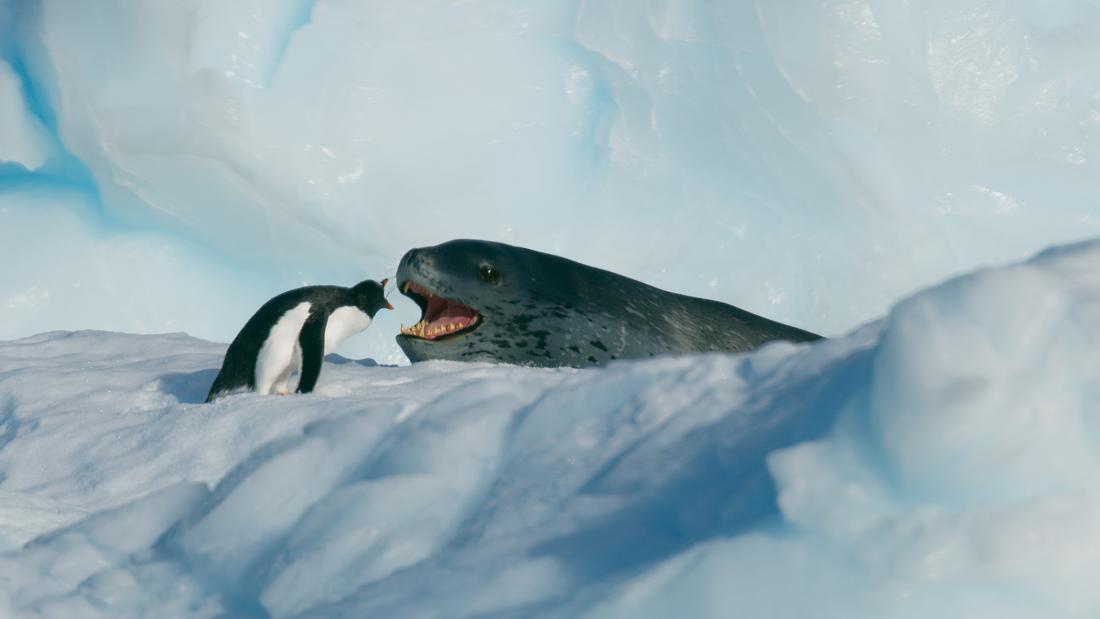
370, 296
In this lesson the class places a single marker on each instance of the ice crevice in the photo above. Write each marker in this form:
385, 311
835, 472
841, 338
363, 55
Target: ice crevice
300, 14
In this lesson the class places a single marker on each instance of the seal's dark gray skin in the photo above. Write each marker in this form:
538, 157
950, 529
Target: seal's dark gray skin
485, 301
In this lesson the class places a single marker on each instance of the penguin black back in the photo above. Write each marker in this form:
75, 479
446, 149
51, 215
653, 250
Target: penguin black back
293, 327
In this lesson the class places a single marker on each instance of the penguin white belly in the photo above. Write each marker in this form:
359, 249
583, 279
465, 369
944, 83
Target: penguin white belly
343, 323
277, 355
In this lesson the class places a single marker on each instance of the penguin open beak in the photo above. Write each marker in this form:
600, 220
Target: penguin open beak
385, 281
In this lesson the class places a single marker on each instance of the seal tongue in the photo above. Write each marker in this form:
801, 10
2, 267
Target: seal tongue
448, 311
444, 316
437, 307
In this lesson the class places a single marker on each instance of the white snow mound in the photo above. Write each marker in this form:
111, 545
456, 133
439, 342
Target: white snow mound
943, 462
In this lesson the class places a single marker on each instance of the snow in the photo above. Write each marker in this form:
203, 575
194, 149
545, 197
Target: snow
941, 462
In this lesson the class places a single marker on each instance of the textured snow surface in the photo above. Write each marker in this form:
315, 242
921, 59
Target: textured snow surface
943, 462
812, 162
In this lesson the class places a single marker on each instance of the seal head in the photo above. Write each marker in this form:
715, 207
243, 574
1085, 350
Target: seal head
486, 301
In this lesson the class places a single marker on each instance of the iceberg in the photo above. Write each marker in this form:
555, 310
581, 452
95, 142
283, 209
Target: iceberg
810, 165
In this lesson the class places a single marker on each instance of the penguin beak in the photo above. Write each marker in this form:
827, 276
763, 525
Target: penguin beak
384, 282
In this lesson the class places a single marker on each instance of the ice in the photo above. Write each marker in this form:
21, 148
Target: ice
69, 272
22, 137
944, 460
812, 165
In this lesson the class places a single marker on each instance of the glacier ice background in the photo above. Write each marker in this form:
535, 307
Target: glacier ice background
812, 162
170, 166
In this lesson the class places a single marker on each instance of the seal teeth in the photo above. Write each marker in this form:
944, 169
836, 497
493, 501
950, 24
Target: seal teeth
418, 330
425, 330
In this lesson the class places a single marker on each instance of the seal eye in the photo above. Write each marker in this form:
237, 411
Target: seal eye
487, 274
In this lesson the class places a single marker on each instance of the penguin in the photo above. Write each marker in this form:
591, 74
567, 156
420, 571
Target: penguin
295, 330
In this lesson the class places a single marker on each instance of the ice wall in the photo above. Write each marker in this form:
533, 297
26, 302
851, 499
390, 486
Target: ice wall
24, 140
808, 161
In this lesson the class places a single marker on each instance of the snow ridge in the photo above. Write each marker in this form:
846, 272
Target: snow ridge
943, 460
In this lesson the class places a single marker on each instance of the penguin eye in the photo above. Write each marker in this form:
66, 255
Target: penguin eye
487, 274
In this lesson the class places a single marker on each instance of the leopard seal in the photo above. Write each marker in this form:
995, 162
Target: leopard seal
487, 301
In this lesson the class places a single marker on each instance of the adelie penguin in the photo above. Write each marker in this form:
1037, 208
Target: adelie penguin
292, 331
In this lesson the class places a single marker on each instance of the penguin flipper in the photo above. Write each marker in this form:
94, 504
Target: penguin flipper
312, 340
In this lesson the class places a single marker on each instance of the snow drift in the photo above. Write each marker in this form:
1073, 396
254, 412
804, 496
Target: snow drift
942, 462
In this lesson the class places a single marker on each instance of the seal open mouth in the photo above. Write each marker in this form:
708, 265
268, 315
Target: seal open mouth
441, 318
